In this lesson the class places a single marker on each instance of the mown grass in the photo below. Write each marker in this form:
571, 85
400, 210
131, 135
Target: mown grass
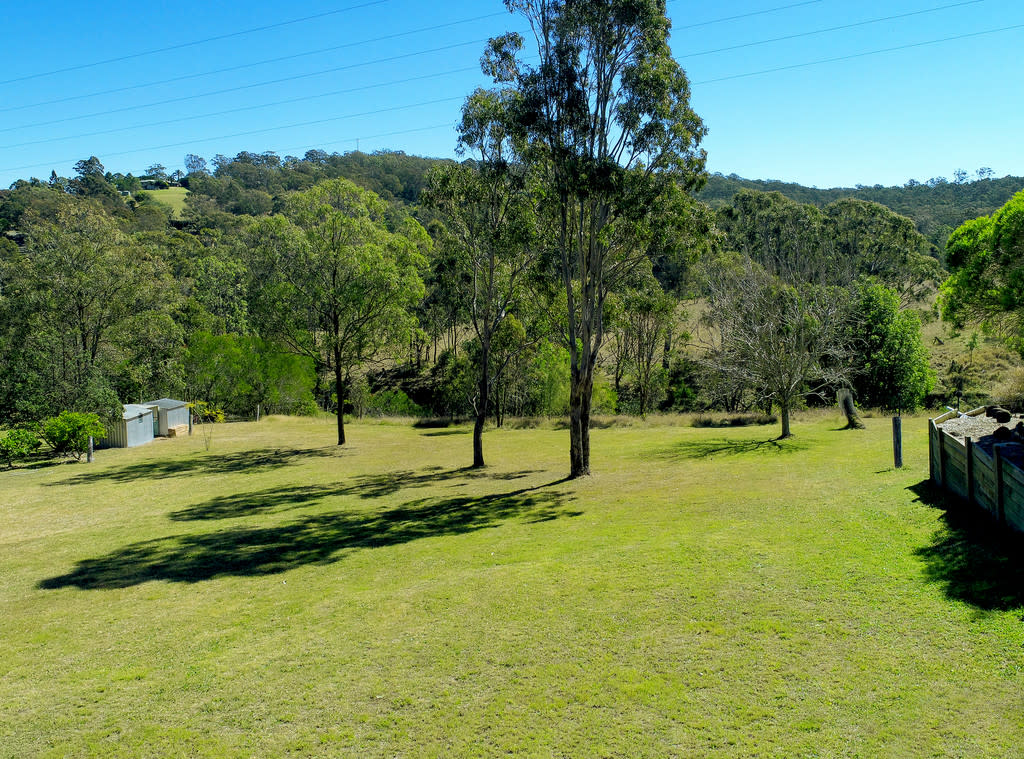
708, 592
172, 197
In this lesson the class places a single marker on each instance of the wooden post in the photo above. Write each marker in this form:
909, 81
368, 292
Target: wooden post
969, 451
942, 457
932, 429
190, 422
997, 455
257, 412
897, 442
88, 456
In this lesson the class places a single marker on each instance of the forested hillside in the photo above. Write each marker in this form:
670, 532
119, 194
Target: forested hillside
937, 206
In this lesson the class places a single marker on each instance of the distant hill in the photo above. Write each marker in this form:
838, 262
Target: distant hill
937, 208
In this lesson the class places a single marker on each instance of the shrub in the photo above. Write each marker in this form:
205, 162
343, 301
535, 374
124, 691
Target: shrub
18, 444
68, 434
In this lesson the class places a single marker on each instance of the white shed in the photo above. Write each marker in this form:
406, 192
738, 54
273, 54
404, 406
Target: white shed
168, 413
134, 428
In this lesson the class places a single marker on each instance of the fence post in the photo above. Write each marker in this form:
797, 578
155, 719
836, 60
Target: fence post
941, 437
897, 442
931, 449
969, 452
88, 456
997, 455
190, 421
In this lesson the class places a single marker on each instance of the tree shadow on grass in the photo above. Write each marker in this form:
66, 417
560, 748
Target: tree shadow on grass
259, 460
387, 483
297, 496
318, 539
977, 561
703, 449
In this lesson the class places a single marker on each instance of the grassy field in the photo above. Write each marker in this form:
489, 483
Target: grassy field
707, 593
173, 197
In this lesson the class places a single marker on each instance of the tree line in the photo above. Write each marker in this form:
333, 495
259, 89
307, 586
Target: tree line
566, 265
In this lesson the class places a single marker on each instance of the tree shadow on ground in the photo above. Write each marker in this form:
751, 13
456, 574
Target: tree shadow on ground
317, 539
977, 560
387, 483
703, 449
260, 460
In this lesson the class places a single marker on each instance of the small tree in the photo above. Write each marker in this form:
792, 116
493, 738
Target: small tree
491, 217
783, 341
339, 284
18, 444
68, 433
891, 363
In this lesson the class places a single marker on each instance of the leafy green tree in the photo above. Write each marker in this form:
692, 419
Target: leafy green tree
986, 258
609, 130
239, 373
339, 284
891, 363
490, 215
18, 444
68, 433
646, 319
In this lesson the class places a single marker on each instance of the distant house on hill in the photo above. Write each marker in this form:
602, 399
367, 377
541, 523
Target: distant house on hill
134, 428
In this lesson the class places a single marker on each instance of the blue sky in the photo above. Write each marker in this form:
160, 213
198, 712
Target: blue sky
391, 74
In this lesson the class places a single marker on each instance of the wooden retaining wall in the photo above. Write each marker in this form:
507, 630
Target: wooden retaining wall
987, 482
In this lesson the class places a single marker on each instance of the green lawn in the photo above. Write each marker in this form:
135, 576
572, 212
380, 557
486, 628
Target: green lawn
173, 197
708, 593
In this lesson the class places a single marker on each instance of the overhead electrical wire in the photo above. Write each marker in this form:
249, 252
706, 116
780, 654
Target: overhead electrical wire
239, 67
747, 15
460, 97
194, 43
854, 25
239, 88
277, 81
241, 109
858, 55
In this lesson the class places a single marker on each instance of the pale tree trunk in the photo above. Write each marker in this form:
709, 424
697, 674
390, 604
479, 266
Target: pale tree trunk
481, 409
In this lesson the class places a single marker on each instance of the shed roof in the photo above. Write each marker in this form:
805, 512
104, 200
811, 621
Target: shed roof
167, 403
134, 411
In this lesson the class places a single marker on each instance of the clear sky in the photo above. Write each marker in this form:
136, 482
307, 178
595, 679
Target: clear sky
142, 84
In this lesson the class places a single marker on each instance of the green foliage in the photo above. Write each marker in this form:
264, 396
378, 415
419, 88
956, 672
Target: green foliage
392, 402
986, 256
238, 373
18, 444
68, 433
935, 210
890, 360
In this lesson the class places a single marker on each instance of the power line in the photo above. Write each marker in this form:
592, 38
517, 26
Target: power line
832, 29
748, 15
859, 55
241, 66
241, 109
242, 87
229, 35
442, 100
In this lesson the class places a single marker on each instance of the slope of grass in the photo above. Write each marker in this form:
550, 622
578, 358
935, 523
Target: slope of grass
708, 592
173, 197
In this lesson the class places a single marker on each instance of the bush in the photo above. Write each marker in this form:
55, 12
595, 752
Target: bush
68, 434
18, 444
